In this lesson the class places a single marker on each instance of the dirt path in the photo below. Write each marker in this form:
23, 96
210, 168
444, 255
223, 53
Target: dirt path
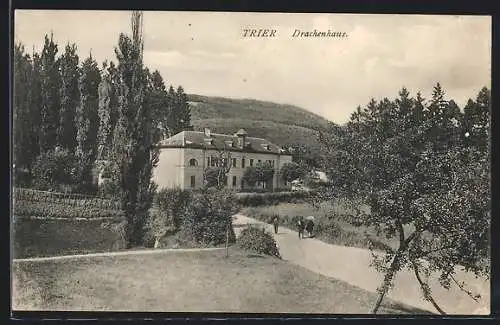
352, 265
123, 253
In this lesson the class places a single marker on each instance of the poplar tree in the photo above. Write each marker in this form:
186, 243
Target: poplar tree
132, 140
22, 112
108, 103
183, 109
87, 121
70, 97
50, 101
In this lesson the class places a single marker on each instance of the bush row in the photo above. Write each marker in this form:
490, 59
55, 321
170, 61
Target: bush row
263, 190
62, 210
273, 198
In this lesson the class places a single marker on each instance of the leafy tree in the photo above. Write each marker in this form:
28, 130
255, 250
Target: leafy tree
87, 121
292, 171
433, 197
50, 99
70, 97
216, 176
23, 154
303, 154
262, 174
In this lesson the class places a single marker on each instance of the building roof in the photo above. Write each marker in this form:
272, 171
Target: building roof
198, 140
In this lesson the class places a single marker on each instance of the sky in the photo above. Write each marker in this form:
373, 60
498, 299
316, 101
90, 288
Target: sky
206, 53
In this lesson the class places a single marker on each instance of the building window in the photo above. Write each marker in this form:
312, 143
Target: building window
242, 162
234, 162
213, 161
251, 162
208, 161
234, 181
259, 162
193, 181
193, 162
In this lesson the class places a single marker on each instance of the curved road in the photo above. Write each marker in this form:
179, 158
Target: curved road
352, 265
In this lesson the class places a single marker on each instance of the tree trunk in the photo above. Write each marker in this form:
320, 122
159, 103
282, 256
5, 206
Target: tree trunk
427, 295
227, 240
384, 287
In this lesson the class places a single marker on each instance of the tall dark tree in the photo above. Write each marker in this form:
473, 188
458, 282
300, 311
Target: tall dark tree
158, 99
70, 98
87, 121
108, 115
22, 113
476, 120
179, 118
35, 105
50, 90
132, 140
184, 110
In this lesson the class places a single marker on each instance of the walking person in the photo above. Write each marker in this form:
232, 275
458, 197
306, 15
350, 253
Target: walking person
301, 225
310, 226
275, 222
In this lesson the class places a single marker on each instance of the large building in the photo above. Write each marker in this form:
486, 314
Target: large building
185, 156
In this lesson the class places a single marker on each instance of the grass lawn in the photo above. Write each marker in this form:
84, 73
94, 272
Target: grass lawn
37, 238
201, 281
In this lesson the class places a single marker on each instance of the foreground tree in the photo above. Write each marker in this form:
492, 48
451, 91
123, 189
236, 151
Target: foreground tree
131, 157
422, 186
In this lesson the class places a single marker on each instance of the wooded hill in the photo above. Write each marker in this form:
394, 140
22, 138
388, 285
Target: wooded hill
281, 124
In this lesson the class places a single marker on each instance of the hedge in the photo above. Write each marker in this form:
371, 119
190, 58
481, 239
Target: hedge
273, 198
62, 210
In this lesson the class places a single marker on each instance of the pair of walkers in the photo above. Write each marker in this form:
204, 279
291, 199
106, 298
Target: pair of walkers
305, 225
302, 225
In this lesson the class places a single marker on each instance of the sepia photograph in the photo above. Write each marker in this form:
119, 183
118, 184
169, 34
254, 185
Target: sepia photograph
244, 162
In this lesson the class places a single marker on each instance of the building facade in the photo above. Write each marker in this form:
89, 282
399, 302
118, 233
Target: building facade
186, 156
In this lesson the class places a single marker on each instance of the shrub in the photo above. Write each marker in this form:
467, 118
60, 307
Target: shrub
258, 240
165, 218
109, 189
209, 215
53, 169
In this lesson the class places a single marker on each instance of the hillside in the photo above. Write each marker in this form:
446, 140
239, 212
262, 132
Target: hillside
280, 123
